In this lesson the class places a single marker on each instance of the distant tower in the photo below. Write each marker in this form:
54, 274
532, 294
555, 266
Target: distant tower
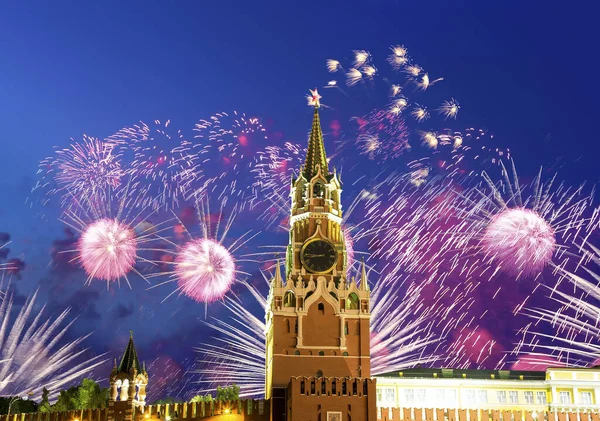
317, 320
128, 383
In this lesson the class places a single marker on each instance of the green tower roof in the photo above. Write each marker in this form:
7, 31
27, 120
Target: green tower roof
130, 358
315, 156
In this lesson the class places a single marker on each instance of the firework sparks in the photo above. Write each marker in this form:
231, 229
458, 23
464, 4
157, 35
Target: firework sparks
361, 57
29, 356
203, 268
164, 164
522, 236
449, 109
398, 57
108, 249
333, 65
420, 113
84, 169
353, 76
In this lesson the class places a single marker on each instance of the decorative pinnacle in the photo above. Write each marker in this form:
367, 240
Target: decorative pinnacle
315, 156
364, 284
277, 280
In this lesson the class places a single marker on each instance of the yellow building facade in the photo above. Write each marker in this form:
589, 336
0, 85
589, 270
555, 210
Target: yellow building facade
554, 390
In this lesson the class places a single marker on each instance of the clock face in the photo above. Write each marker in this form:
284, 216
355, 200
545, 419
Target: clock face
318, 256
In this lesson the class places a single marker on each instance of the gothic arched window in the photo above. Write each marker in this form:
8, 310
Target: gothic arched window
318, 190
289, 300
352, 302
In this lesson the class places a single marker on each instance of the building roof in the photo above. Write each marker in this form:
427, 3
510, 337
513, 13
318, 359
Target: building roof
454, 373
130, 359
315, 156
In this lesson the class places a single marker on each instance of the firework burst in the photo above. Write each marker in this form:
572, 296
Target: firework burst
87, 169
203, 268
30, 358
165, 168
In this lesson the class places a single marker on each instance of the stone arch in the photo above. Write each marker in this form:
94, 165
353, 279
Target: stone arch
352, 301
289, 299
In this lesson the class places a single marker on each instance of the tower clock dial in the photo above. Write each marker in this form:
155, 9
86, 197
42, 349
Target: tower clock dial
318, 256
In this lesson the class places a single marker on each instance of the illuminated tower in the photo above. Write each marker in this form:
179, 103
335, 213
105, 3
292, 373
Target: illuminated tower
317, 321
128, 383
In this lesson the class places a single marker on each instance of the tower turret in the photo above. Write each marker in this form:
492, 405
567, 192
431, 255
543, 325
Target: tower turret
128, 383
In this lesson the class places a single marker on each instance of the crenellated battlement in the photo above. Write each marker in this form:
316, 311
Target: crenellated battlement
440, 414
246, 409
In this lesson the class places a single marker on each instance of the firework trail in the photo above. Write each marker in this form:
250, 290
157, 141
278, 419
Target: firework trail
162, 163
203, 267
86, 169
239, 353
30, 357
569, 335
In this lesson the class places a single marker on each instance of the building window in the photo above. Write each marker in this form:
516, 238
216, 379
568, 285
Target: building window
482, 396
333, 387
420, 396
321, 353
321, 308
379, 394
296, 326
302, 387
346, 328
501, 396
409, 395
289, 299
439, 396
470, 396
513, 396
296, 352
343, 387
585, 398
389, 395
319, 373
541, 398
528, 394
450, 396
323, 387
312, 387
345, 354
564, 398
261, 407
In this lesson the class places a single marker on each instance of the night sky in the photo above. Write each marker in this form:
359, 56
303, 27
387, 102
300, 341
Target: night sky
524, 71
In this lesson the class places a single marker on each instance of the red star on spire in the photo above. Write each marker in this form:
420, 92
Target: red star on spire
314, 97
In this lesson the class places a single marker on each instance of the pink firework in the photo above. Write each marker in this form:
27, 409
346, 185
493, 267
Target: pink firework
107, 249
349, 247
205, 270
520, 240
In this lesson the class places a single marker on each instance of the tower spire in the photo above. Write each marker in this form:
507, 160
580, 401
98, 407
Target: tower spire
315, 156
364, 284
278, 281
130, 359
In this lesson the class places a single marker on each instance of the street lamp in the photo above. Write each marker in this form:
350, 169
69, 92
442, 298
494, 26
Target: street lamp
13, 399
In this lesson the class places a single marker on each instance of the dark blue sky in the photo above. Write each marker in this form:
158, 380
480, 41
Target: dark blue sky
526, 70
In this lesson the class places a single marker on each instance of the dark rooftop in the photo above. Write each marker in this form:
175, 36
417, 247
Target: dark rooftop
455, 373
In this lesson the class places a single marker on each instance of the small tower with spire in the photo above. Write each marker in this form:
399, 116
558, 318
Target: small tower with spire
128, 382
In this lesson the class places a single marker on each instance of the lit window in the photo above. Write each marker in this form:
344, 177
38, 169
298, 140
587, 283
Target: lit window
564, 398
482, 396
541, 398
513, 396
470, 396
261, 407
439, 395
528, 396
501, 395
379, 394
409, 395
390, 395
450, 395
585, 398
420, 395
